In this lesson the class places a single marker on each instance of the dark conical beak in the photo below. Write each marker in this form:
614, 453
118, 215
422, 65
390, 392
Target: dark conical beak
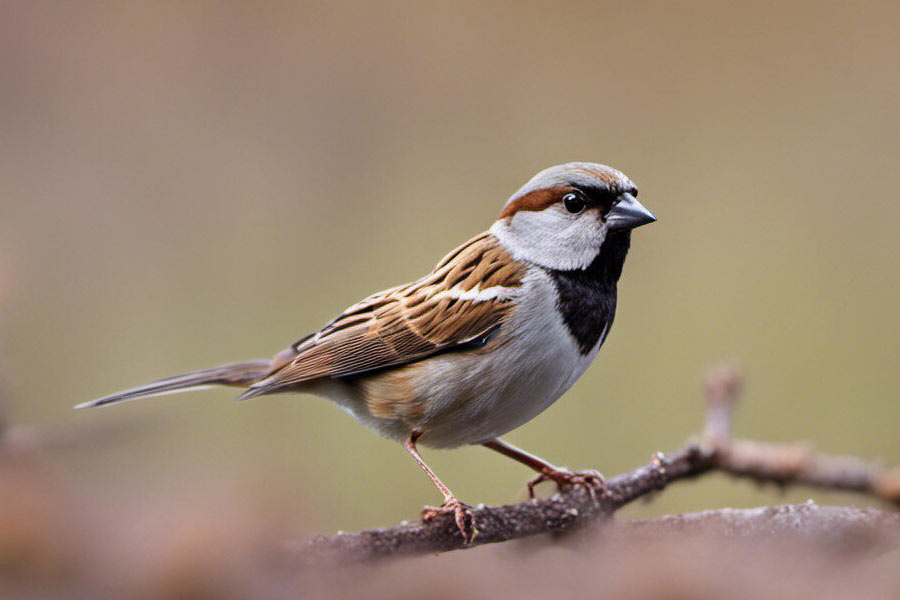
628, 214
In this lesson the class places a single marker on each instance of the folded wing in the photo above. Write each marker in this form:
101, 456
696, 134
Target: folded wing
459, 305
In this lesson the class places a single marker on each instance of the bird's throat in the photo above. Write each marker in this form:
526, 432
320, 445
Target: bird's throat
587, 297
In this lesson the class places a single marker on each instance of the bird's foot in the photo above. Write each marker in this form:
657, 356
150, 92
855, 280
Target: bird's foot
462, 514
564, 478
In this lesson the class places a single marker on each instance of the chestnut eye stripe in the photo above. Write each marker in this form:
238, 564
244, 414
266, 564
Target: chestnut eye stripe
603, 196
536, 200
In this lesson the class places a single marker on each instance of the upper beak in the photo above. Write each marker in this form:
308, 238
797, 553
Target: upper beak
628, 214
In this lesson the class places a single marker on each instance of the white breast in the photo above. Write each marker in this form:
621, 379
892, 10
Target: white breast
479, 396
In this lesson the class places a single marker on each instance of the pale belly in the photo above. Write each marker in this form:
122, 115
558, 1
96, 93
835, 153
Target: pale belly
469, 397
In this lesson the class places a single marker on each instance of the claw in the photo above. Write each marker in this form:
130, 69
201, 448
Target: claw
592, 480
462, 514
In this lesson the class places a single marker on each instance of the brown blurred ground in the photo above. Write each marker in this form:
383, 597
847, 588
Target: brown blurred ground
54, 545
187, 184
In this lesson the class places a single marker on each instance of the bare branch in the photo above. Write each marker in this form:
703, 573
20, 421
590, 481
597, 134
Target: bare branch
573, 507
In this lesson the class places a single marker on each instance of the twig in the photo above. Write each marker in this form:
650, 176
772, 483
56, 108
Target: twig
572, 507
784, 464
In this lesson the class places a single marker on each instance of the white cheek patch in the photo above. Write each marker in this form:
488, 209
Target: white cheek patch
552, 238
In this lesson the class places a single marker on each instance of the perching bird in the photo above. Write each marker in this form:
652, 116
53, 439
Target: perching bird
499, 330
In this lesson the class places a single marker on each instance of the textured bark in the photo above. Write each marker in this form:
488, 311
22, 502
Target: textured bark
575, 506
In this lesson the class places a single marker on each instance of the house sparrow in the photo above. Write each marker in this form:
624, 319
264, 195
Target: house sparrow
499, 330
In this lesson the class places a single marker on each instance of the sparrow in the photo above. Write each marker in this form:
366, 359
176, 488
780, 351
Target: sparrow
491, 337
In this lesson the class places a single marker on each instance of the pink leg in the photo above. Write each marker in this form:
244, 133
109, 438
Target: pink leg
563, 477
461, 513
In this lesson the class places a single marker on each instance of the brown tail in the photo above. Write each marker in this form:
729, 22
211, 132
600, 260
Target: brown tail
239, 374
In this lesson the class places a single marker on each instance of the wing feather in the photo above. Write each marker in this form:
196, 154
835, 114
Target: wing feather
468, 294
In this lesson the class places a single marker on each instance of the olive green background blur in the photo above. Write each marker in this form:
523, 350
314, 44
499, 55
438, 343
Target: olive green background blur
185, 184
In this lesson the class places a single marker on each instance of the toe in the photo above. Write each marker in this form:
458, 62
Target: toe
465, 522
462, 516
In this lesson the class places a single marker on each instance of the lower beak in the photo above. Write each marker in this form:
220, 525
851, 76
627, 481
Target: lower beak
628, 214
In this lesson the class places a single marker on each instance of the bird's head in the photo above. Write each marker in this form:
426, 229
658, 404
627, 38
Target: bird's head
561, 218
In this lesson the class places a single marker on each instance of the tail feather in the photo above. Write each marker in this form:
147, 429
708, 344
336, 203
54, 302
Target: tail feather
239, 374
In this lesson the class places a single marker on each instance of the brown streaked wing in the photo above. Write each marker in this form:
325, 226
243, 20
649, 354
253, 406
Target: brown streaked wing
410, 322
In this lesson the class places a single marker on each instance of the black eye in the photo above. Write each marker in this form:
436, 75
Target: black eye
573, 202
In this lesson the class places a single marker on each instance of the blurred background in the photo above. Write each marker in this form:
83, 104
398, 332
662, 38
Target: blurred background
185, 184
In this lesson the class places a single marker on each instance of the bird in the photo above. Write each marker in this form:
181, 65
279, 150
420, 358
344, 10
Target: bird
497, 332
